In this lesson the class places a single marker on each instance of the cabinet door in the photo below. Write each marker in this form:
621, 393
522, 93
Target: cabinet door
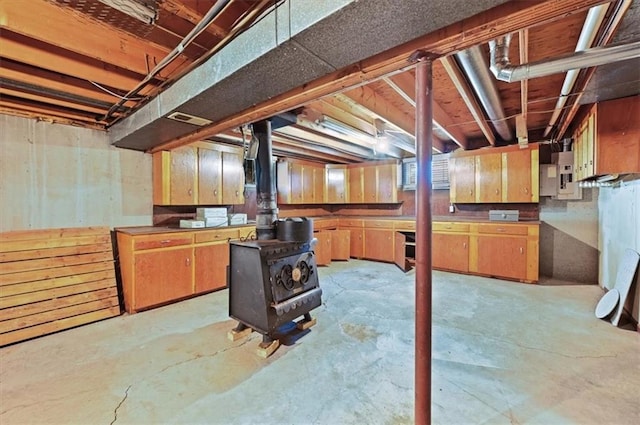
340, 244
318, 185
162, 178
283, 182
232, 179
462, 178
387, 183
516, 176
209, 177
370, 184
450, 252
400, 254
336, 185
211, 263
323, 248
356, 190
378, 244
503, 256
488, 178
184, 176
307, 196
356, 242
162, 276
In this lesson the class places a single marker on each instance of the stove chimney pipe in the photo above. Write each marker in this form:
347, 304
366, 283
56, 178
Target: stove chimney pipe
267, 208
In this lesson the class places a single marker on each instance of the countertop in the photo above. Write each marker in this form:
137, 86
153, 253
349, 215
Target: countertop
147, 230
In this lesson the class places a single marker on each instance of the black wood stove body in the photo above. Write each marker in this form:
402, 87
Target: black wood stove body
272, 282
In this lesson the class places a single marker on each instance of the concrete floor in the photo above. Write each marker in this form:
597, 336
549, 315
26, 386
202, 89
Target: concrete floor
503, 353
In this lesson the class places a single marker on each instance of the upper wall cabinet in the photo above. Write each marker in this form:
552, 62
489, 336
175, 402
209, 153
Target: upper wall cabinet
607, 141
373, 182
300, 182
336, 184
496, 175
198, 175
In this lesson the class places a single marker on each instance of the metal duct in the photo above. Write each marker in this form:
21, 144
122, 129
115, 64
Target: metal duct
475, 66
504, 71
589, 29
267, 208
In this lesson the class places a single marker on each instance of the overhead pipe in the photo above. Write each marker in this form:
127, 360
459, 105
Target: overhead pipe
266, 195
589, 30
475, 66
504, 71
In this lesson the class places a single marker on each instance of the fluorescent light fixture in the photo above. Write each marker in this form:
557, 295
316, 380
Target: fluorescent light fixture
342, 128
135, 9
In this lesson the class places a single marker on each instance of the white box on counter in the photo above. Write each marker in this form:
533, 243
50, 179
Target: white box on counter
237, 218
192, 224
216, 221
211, 212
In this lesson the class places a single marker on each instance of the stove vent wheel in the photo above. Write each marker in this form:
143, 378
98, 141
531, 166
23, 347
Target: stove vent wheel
285, 277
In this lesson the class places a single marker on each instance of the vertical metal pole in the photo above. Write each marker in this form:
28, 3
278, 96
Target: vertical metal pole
424, 142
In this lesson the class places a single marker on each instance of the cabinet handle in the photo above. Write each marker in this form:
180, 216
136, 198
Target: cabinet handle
521, 250
237, 193
447, 227
526, 190
471, 192
464, 245
188, 262
215, 192
165, 241
497, 191
499, 229
190, 192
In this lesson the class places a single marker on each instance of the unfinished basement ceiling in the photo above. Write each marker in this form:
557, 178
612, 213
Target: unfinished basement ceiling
72, 61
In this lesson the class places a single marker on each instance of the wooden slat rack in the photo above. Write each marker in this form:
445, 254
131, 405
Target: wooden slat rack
55, 279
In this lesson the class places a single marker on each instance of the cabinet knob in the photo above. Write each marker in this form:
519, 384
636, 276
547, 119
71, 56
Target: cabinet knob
237, 193
215, 192
188, 262
497, 191
521, 250
190, 192
464, 245
526, 190
471, 192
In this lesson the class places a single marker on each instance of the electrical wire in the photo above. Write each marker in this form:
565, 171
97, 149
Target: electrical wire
106, 90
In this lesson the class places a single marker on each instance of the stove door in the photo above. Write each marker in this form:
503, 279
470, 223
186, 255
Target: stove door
292, 275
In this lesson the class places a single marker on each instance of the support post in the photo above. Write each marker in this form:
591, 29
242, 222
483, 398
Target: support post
424, 142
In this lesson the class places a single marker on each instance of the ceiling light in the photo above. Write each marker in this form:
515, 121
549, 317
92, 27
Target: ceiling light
140, 11
342, 128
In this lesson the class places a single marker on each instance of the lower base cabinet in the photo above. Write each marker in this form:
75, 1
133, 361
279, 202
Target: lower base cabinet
450, 252
378, 244
153, 269
340, 244
211, 262
323, 247
502, 256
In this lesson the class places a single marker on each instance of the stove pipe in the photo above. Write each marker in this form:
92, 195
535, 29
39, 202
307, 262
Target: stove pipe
267, 208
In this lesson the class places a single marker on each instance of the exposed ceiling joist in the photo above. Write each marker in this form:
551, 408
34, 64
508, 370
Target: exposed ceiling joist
404, 85
466, 92
186, 12
46, 22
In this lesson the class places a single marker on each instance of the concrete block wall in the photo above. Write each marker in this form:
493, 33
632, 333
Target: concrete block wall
62, 176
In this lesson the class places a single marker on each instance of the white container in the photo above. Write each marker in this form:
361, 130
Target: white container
211, 212
192, 224
237, 218
216, 221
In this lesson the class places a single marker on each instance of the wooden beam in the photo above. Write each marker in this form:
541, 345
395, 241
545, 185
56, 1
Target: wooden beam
611, 25
326, 107
40, 77
43, 55
49, 100
506, 18
64, 28
46, 111
469, 98
404, 85
182, 10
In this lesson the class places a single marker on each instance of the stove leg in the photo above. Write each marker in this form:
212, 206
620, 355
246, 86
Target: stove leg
306, 322
239, 332
267, 346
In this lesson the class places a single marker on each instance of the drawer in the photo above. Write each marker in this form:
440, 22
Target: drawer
323, 223
407, 225
378, 224
503, 229
447, 226
351, 222
162, 240
216, 235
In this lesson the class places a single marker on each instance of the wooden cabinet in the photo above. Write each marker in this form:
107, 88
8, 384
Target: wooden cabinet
162, 276
356, 184
374, 182
323, 247
607, 140
496, 175
488, 178
209, 177
198, 175
450, 252
232, 178
502, 256
211, 262
159, 268
340, 244
300, 182
405, 250
356, 235
462, 179
336, 184
379, 240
